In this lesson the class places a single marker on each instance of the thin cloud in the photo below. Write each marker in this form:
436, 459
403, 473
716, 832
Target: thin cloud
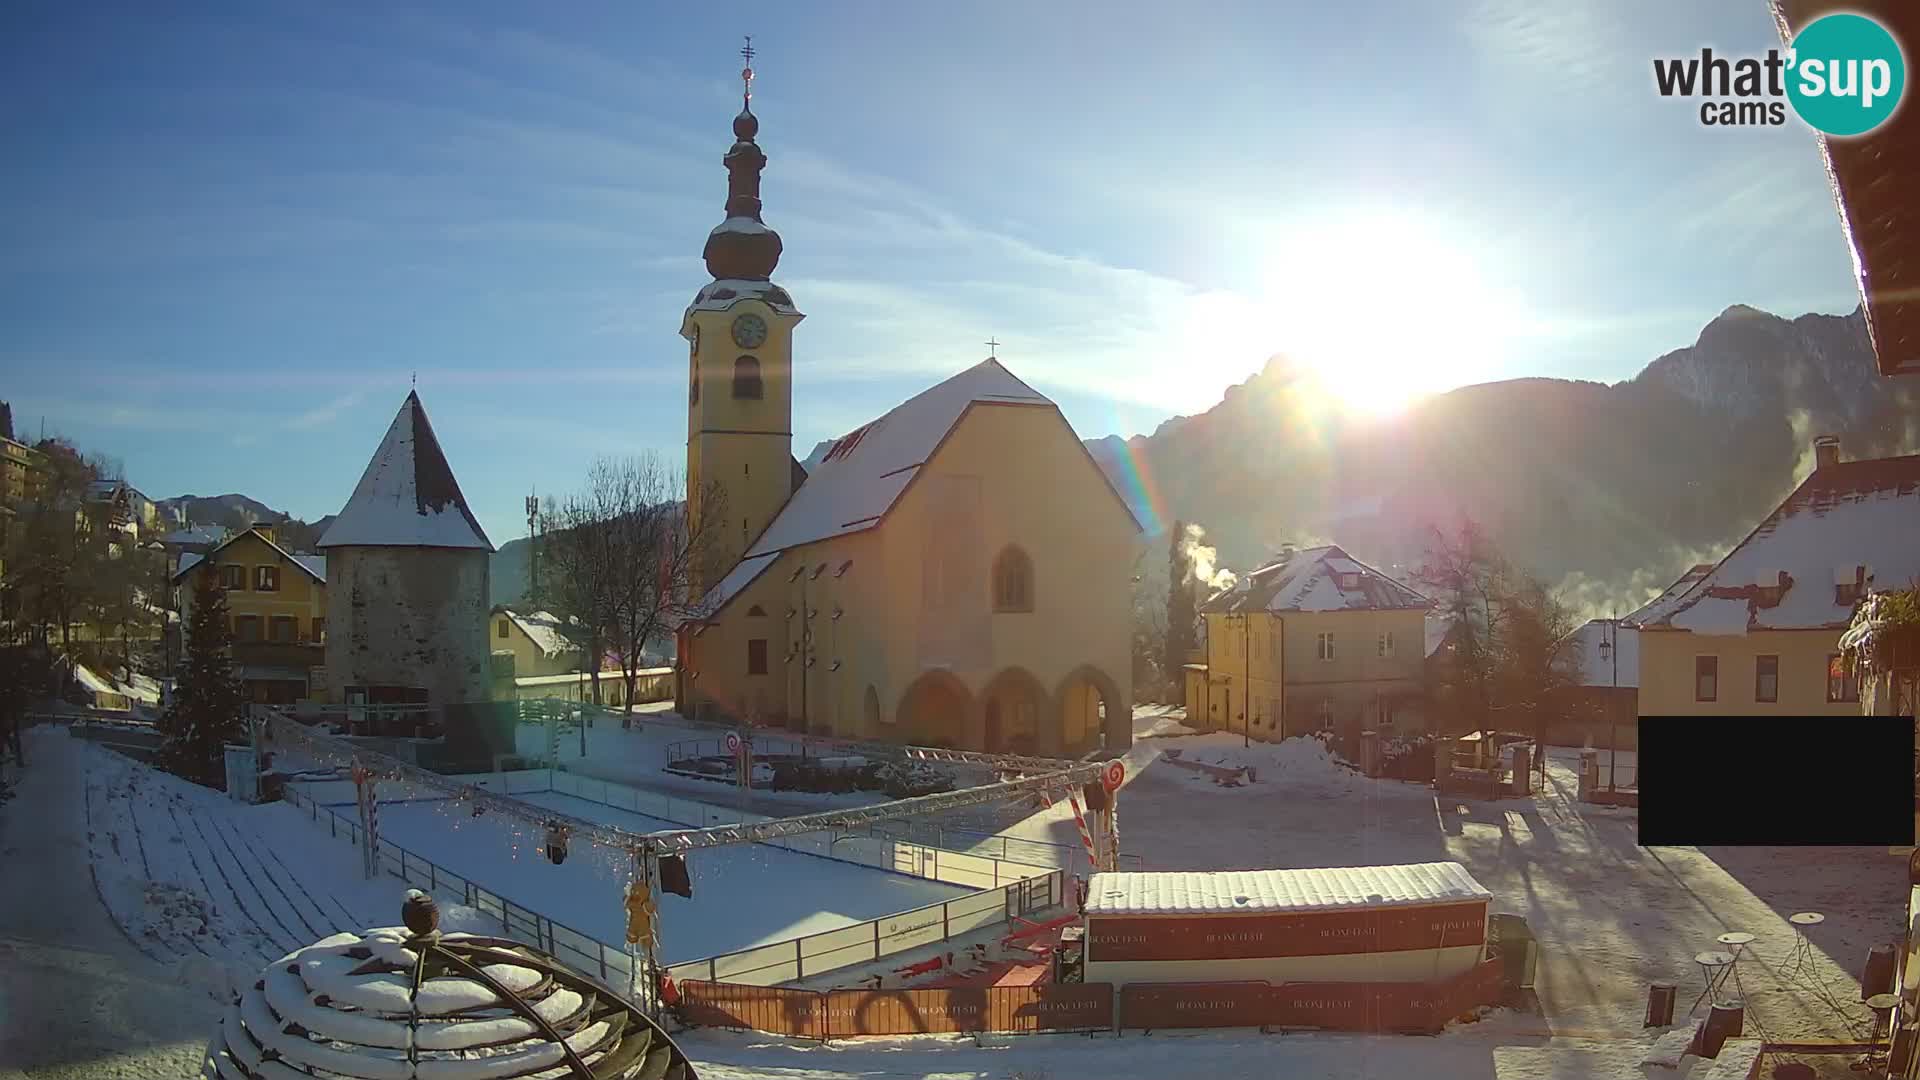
325, 415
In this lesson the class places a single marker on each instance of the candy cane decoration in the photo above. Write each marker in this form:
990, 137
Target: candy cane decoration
1086, 838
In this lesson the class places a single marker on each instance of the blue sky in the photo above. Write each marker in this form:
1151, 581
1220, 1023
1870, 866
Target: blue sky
236, 230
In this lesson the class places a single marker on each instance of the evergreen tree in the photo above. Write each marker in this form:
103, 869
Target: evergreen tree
1180, 603
208, 706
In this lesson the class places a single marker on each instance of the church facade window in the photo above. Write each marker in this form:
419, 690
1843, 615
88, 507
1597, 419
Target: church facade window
746, 378
1012, 580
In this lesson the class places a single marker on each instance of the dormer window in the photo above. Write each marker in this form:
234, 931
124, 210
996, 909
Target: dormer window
1849, 584
1349, 582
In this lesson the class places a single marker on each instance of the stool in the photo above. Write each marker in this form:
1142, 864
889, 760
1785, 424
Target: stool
1802, 955
1714, 967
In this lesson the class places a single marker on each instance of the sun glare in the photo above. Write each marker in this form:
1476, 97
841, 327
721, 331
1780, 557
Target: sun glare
1384, 309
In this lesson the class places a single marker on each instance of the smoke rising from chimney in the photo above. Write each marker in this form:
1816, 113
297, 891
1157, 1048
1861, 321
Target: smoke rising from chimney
1203, 560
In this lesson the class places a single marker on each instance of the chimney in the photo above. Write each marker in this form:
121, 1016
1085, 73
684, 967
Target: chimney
1826, 451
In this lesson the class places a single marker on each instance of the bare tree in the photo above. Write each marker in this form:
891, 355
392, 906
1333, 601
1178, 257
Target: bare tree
624, 557
1512, 652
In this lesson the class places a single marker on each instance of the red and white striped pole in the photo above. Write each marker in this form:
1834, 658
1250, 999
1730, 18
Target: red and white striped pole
1086, 838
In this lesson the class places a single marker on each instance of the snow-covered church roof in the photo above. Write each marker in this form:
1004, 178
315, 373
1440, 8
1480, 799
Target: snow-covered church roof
1848, 528
862, 474
408, 496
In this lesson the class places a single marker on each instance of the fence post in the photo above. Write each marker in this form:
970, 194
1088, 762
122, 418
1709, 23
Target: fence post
403, 865
433, 876
946, 923
799, 960
876, 939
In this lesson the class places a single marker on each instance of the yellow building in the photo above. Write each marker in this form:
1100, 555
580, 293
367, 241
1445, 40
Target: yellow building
1316, 641
1760, 632
278, 603
955, 572
538, 642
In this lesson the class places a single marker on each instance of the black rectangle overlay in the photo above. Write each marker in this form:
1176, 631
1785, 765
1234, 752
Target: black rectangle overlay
1745, 781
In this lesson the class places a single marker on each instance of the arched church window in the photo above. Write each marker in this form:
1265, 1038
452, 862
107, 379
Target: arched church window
746, 378
1012, 580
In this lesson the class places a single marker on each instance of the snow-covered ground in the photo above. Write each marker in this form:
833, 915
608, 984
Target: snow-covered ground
1611, 917
233, 884
1493, 1050
742, 896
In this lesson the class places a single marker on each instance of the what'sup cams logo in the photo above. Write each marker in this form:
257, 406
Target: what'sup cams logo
1843, 75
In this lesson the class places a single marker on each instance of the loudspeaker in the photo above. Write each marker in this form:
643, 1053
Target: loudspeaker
673, 876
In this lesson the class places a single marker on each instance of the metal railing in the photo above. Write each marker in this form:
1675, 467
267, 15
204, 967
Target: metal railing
574, 947
1006, 889
876, 939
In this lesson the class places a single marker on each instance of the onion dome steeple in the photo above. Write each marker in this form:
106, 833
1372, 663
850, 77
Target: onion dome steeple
742, 248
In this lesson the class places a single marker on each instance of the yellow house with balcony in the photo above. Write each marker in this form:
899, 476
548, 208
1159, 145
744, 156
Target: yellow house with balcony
1315, 641
1760, 632
278, 603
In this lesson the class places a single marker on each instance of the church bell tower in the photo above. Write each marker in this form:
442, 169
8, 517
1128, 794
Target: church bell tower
739, 332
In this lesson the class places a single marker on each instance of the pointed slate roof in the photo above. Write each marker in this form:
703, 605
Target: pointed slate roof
408, 496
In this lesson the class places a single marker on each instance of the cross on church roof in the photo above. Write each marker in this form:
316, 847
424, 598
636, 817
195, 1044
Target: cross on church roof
994, 348
746, 73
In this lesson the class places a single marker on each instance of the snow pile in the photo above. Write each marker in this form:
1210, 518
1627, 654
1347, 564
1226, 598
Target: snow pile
1302, 764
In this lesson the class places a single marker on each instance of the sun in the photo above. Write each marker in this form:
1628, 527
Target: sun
1385, 308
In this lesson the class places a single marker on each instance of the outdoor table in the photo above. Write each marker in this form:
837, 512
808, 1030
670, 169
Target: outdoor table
1735, 941
1802, 947
1713, 970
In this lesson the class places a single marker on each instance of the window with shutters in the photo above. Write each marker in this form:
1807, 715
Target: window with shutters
1324, 645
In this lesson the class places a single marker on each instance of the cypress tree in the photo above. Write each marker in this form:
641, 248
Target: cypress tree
208, 707
1180, 604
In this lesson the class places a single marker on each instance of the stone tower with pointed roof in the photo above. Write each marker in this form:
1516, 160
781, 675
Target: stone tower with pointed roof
407, 567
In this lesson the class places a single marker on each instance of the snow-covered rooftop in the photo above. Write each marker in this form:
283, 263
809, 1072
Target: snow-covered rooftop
1861, 514
199, 534
742, 575
1596, 670
314, 565
544, 629
1266, 891
857, 481
1312, 580
723, 293
408, 496
1660, 606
